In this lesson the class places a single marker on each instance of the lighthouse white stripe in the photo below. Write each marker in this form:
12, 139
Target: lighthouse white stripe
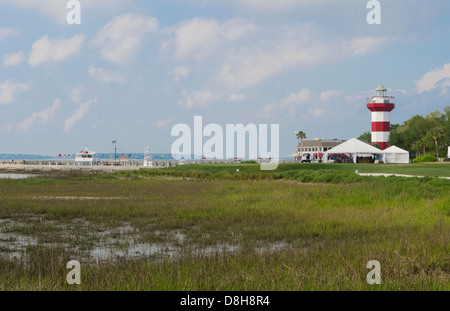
380, 116
380, 136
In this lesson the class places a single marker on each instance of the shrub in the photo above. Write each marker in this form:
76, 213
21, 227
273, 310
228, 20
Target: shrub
425, 158
319, 176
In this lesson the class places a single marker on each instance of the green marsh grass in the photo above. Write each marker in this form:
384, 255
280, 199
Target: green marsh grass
292, 229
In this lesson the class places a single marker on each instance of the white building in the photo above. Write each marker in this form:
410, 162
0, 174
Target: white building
313, 150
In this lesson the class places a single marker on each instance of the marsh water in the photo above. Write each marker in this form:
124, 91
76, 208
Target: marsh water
93, 242
15, 176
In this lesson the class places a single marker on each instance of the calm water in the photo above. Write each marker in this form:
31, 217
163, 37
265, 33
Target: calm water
15, 176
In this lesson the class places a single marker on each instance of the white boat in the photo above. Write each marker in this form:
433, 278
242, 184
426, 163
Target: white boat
86, 157
148, 159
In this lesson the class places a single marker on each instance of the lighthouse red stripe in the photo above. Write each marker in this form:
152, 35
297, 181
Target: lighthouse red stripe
381, 107
381, 126
383, 145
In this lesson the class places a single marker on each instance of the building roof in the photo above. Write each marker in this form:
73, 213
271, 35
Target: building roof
354, 146
394, 149
328, 143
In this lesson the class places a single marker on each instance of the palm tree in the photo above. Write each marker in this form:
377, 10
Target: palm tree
417, 146
423, 144
300, 135
437, 133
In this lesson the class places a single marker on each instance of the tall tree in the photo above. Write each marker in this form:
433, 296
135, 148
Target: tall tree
437, 133
301, 135
367, 136
416, 147
423, 143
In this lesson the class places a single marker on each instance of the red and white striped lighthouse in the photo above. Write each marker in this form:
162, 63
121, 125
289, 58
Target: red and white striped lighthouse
381, 108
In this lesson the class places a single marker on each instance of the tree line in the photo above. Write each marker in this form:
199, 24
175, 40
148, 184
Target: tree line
421, 135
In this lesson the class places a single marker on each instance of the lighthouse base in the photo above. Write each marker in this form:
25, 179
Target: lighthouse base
383, 145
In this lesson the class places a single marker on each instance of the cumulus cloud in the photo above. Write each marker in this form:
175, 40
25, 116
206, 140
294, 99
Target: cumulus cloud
296, 98
200, 36
196, 99
250, 66
326, 95
76, 93
289, 102
39, 117
431, 79
105, 76
317, 112
57, 10
163, 123
9, 89
360, 46
13, 59
8, 32
46, 49
181, 72
236, 97
121, 37
266, 5
78, 114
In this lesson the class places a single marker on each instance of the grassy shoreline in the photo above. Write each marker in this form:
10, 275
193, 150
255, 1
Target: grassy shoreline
216, 229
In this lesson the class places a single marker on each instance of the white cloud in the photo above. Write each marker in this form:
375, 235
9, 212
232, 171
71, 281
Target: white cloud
317, 112
296, 98
326, 95
430, 80
8, 32
236, 97
198, 32
200, 36
163, 123
77, 93
196, 99
181, 72
121, 37
46, 49
360, 46
105, 76
236, 28
9, 127
253, 65
289, 102
57, 10
13, 59
8, 90
445, 83
359, 97
78, 114
41, 117
266, 5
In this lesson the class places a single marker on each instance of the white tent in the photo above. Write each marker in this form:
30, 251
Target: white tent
354, 147
394, 154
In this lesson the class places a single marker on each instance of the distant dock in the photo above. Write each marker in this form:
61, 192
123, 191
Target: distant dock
58, 167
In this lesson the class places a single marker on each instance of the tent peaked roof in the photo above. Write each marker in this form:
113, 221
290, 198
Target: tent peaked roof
354, 146
395, 149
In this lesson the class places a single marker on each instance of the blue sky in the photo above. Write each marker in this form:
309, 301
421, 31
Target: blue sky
134, 68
